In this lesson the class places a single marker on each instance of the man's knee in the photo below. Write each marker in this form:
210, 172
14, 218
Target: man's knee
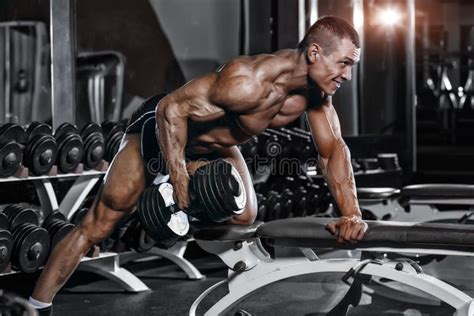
119, 198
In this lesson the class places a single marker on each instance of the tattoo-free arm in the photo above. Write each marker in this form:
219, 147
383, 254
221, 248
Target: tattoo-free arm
334, 157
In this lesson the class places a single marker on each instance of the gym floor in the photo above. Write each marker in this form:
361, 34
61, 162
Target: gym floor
172, 294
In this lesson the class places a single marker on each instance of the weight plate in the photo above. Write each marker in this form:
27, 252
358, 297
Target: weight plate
65, 129
33, 250
41, 154
64, 229
12, 132
37, 129
11, 156
6, 247
55, 215
70, 151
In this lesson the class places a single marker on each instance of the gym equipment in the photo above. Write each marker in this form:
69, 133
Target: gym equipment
94, 145
11, 153
216, 192
41, 149
57, 226
70, 147
6, 245
251, 267
113, 134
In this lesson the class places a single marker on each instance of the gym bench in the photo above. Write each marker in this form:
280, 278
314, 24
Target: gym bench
245, 251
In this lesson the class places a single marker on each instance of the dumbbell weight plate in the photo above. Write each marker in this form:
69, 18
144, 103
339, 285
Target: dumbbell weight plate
79, 215
109, 129
55, 215
234, 188
152, 212
113, 146
6, 247
70, 147
18, 215
94, 150
37, 128
65, 129
32, 249
94, 147
61, 232
206, 191
4, 224
41, 154
10, 159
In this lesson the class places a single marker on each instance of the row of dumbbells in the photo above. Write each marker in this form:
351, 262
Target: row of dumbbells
39, 149
281, 143
23, 241
290, 197
295, 143
27, 236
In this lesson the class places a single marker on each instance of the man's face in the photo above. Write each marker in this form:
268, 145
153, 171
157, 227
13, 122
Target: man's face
329, 71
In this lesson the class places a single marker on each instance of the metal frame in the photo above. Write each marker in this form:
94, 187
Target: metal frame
63, 56
108, 266
259, 270
174, 254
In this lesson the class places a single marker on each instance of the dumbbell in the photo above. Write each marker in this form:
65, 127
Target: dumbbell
269, 145
388, 161
367, 164
113, 134
79, 215
57, 226
136, 238
216, 193
31, 243
37, 146
6, 242
302, 145
70, 147
11, 153
94, 145
286, 142
41, 149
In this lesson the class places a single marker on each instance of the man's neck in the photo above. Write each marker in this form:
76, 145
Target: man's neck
298, 77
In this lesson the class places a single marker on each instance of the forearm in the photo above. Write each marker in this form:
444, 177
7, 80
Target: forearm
172, 138
337, 171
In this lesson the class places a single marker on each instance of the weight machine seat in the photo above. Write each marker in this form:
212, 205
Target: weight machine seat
377, 193
226, 232
311, 232
437, 191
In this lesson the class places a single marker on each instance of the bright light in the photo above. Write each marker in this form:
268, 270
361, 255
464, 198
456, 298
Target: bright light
389, 16
358, 17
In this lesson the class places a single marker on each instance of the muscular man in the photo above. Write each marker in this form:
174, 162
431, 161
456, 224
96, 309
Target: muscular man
208, 117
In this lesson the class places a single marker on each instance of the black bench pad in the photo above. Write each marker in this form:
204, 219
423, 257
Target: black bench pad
226, 232
311, 232
377, 193
436, 191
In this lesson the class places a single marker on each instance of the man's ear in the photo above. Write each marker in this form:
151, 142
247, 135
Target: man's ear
314, 52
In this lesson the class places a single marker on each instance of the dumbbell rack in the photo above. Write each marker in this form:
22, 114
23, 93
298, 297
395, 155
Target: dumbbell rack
106, 264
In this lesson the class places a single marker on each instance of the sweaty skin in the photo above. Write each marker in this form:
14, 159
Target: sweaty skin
250, 94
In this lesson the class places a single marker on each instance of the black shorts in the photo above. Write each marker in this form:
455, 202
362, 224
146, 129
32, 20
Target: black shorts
143, 122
